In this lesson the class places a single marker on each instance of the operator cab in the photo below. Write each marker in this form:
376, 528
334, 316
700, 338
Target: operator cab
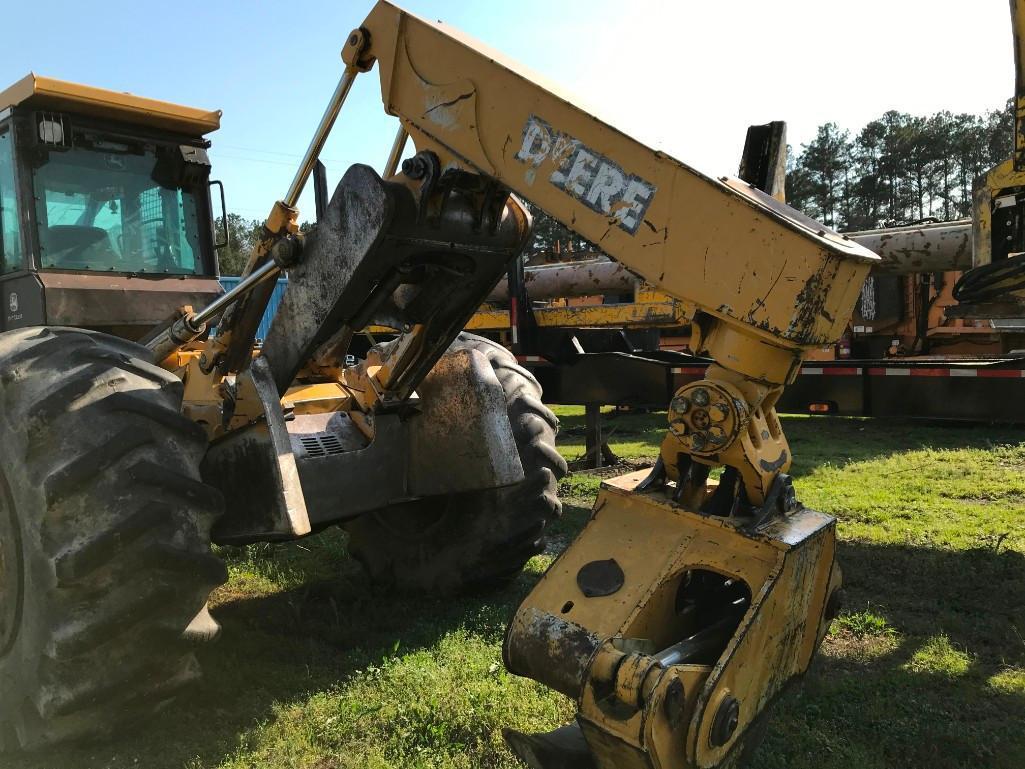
105, 210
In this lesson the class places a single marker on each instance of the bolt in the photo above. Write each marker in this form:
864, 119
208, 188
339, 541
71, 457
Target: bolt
717, 436
697, 441
788, 499
701, 397
674, 703
680, 405
414, 168
700, 419
725, 723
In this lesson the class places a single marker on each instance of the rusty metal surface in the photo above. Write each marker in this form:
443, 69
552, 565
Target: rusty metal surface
99, 300
549, 649
938, 247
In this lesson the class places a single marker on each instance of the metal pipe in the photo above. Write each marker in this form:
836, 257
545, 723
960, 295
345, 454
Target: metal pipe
320, 137
190, 327
264, 272
938, 247
594, 276
693, 648
396, 152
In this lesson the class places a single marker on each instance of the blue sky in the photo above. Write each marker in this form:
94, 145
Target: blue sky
686, 77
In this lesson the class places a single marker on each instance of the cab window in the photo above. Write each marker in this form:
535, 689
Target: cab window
10, 229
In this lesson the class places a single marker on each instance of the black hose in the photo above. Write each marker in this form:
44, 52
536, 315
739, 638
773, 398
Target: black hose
991, 281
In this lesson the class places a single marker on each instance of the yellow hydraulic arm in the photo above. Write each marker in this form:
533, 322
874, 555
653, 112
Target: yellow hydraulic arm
763, 281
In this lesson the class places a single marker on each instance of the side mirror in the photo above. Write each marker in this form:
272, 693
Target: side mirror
222, 241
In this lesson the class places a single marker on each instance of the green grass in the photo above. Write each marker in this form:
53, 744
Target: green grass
924, 668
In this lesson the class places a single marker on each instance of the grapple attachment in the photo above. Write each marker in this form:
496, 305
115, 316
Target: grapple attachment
673, 630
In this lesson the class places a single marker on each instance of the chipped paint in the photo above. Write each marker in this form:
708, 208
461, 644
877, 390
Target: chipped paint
587, 175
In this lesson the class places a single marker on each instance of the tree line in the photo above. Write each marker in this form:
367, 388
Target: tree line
898, 169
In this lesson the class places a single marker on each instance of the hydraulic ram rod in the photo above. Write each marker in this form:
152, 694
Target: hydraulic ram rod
190, 327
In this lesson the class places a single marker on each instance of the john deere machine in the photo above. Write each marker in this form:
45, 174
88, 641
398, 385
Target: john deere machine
132, 437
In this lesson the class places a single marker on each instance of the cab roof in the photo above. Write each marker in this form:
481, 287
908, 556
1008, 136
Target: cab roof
59, 95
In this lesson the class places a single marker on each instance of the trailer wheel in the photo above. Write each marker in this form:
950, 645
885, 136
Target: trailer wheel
104, 536
477, 540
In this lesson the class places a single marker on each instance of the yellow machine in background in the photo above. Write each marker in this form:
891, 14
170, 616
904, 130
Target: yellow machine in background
995, 287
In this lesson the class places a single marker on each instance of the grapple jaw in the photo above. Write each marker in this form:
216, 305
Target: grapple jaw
672, 630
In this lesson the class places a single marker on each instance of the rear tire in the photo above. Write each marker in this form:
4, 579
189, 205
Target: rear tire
104, 535
476, 540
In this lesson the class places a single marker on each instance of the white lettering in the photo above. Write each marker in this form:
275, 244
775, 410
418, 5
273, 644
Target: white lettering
607, 184
536, 144
634, 201
586, 175
581, 172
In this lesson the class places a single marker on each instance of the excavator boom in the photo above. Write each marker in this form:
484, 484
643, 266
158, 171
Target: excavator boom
720, 244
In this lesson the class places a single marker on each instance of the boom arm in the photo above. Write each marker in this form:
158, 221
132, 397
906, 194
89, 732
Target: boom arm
764, 282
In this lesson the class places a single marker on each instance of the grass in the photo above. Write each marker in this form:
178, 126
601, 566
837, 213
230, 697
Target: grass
924, 668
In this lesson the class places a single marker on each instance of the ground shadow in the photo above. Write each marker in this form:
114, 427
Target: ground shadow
923, 690
277, 649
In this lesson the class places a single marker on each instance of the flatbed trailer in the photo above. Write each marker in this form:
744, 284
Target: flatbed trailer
964, 389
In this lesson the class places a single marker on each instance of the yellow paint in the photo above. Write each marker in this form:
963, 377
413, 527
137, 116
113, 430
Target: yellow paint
320, 398
656, 542
60, 95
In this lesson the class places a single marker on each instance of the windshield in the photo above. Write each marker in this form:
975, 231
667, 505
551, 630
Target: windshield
99, 207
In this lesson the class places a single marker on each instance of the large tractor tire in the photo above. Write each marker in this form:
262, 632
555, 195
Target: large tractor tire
104, 536
476, 540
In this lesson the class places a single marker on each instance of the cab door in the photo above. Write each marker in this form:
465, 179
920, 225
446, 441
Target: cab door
21, 293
